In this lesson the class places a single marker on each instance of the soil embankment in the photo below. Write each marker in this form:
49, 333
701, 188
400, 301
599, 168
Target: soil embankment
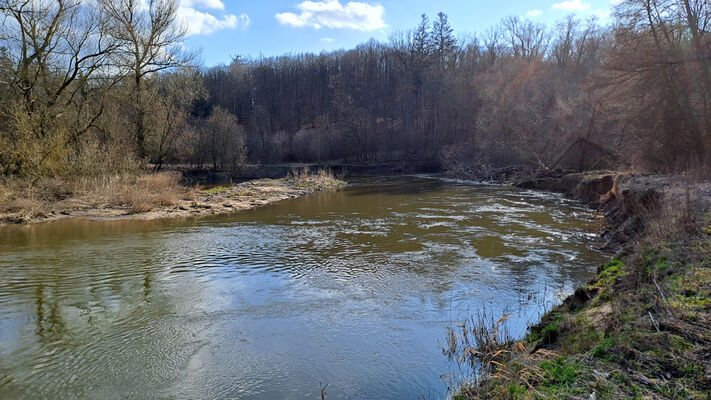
624, 198
642, 327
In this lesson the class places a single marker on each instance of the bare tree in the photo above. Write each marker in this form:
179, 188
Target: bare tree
52, 49
171, 107
526, 39
661, 66
225, 141
149, 38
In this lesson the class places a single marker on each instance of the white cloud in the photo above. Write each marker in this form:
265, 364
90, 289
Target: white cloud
328, 39
534, 13
571, 5
199, 22
203, 23
211, 4
332, 14
244, 21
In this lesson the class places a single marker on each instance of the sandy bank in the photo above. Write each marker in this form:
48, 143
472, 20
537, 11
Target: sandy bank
193, 202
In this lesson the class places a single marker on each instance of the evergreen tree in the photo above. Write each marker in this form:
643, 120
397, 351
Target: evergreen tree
443, 43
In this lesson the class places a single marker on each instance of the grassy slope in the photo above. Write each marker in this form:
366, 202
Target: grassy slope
641, 329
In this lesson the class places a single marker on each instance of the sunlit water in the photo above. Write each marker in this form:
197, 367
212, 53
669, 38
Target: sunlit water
353, 289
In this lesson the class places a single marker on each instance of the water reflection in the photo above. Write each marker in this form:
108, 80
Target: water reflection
351, 288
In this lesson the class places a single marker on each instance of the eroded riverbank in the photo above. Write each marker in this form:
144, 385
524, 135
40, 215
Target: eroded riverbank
640, 328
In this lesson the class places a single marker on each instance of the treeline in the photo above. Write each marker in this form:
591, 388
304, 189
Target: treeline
634, 93
100, 85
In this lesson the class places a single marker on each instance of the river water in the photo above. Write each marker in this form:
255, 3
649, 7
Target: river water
351, 288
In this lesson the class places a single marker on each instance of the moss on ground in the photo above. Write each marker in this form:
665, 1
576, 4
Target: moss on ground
642, 330
217, 189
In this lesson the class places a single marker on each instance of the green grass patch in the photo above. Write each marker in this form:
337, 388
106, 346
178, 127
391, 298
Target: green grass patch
603, 349
548, 333
217, 189
679, 343
560, 371
611, 270
517, 391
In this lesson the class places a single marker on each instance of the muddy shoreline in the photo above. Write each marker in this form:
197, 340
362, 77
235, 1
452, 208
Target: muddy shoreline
218, 200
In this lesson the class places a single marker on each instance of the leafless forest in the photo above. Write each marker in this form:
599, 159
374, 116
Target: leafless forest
92, 88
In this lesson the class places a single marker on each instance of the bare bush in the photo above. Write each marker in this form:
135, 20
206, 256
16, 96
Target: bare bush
680, 214
216, 141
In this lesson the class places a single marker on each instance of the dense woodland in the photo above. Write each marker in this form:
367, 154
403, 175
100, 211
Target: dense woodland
95, 87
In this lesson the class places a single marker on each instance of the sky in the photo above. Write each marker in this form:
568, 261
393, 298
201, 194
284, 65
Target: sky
219, 30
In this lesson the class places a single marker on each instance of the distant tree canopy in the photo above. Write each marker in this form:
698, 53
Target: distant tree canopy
94, 86
638, 90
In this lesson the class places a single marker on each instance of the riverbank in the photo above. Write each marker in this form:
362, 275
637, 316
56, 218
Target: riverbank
161, 195
641, 328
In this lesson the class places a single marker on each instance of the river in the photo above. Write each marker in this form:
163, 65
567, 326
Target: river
351, 288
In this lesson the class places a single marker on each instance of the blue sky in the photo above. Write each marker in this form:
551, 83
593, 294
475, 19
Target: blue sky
222, 29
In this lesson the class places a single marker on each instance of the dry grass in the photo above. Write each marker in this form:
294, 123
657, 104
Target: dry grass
479, 346
140, 193
500, 367
25, 200
161, 193
479, 340
321, 179
22, 209
4, 191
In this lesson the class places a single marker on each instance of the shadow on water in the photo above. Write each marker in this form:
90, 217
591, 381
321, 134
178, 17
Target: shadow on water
354, 288
411, 186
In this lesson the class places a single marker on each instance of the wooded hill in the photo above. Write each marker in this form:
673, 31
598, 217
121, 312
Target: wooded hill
96, 87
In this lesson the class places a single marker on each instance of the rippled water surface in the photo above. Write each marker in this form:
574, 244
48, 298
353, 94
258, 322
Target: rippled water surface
352, 288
